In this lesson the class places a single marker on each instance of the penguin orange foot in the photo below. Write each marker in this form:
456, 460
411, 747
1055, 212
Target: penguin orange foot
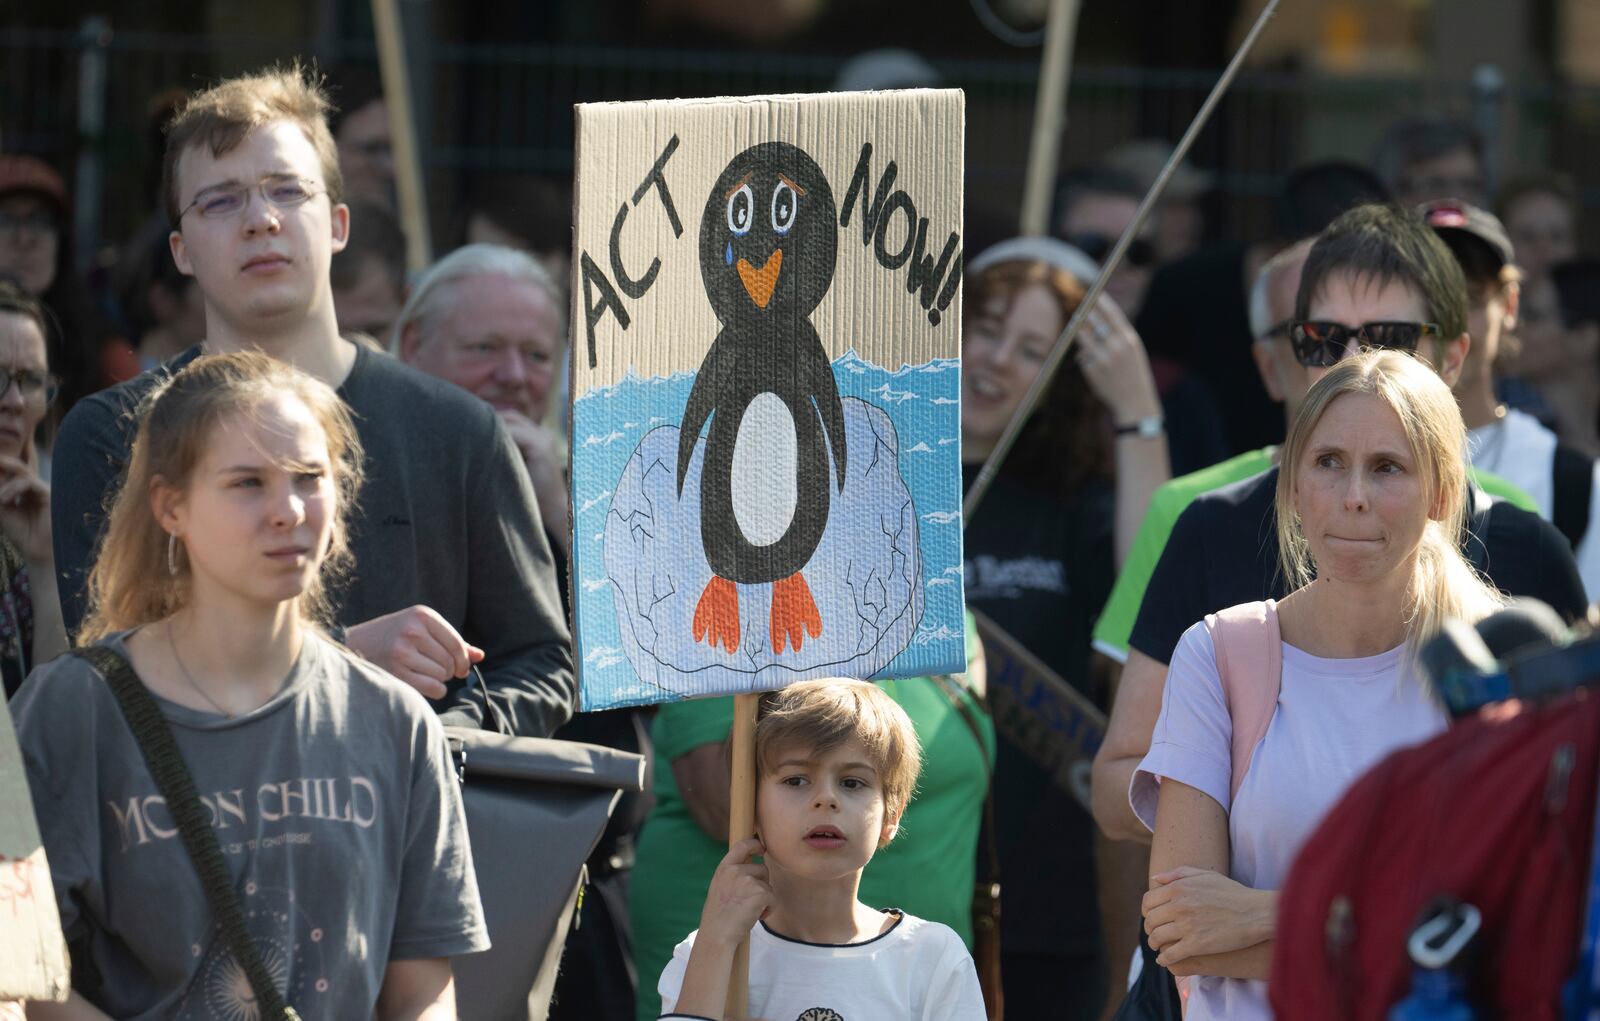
794, 613
716, 616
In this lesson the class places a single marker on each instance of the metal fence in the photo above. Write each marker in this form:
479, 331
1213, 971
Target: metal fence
81, 99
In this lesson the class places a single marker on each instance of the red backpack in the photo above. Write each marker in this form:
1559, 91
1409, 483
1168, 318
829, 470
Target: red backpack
1496, 812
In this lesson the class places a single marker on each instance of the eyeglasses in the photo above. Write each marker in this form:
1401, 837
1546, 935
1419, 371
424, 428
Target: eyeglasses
30, 383
224, 200
1467, 185
35, 224
1278, 329
1321, 345
1140, 254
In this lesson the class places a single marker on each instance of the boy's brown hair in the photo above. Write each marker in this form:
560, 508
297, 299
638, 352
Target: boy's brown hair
823, 714
221, 116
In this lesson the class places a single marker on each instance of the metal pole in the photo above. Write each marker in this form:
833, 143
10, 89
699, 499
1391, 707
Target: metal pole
1488, 94
94, 36
1008, 439
1049, 116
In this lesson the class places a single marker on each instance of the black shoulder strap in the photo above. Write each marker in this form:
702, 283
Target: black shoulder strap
1572, 479
172, 778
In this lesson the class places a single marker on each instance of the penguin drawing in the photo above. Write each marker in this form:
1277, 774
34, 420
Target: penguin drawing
768, 241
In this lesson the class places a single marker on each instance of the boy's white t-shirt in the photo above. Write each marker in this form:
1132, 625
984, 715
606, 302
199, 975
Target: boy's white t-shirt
917, 971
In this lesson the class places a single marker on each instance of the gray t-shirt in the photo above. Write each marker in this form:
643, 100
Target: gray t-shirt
337, 811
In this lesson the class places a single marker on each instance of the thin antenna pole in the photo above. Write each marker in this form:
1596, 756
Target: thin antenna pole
1008, 439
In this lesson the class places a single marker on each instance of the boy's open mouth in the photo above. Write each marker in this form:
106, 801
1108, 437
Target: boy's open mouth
825, 837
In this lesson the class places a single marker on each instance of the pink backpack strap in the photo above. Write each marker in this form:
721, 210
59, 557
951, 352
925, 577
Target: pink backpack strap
1250, 662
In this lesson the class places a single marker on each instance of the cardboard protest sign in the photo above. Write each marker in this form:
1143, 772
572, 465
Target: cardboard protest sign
766, 478
33, 954
1049, 720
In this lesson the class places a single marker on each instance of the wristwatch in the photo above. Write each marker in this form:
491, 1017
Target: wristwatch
1146, 428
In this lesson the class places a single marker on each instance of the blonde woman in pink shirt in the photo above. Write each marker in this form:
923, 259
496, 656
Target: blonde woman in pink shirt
1370, 503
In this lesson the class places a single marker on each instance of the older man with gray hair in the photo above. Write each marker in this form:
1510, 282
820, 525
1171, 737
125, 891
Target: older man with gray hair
492, 321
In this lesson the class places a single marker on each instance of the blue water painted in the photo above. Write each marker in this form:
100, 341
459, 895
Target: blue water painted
608, 423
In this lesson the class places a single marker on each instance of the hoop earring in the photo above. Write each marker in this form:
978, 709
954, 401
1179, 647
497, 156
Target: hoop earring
172, 553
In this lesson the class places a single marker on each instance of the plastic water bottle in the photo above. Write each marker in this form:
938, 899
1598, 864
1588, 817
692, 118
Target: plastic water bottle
1438, 989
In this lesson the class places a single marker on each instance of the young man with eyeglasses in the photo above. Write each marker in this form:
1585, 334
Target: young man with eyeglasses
452, 566
1510, 443
1380, 273
1426, 157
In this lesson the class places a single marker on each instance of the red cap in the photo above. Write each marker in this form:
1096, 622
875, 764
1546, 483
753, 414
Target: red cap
27, 173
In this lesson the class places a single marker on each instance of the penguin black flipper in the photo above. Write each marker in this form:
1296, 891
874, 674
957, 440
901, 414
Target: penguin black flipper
825, 391
702, 397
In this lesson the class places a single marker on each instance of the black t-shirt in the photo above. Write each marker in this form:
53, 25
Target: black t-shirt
1042, 568
1224, 551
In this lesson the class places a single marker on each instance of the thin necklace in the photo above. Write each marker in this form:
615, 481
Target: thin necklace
173, 645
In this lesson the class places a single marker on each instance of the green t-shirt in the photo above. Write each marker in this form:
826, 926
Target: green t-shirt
1116, 621
927, 870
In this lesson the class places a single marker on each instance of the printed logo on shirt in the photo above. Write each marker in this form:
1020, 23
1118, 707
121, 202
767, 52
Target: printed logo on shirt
820, 1014
353, 800
292, 948
989, 577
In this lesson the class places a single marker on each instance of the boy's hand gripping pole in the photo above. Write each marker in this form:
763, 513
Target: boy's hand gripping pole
742, 826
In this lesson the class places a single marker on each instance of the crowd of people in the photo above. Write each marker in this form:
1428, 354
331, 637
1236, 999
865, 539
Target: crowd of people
317, 510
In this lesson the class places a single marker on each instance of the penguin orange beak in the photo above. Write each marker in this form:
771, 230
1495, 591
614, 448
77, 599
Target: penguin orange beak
760, 282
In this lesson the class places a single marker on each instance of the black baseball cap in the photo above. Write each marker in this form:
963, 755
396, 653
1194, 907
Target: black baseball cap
1453, 216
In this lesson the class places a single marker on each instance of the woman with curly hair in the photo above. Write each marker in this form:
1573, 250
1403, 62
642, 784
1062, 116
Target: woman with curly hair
1041, 557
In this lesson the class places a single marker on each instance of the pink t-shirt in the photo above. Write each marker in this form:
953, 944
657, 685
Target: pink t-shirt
1334, 720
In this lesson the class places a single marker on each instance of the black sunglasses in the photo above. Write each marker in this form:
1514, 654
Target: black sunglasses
1140, 254
1320, 345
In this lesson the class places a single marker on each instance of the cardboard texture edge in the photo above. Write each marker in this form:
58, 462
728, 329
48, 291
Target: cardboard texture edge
33, 953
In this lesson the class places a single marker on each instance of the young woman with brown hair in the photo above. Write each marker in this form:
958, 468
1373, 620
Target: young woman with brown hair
326, 781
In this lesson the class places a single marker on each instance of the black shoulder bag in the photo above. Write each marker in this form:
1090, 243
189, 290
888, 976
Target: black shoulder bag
172, 779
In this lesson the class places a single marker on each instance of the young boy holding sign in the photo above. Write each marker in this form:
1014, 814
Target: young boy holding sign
837, 763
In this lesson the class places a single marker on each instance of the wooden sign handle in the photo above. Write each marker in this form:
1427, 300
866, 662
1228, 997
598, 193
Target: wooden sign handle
1049, 117
742, 826
402, 133
1019, 418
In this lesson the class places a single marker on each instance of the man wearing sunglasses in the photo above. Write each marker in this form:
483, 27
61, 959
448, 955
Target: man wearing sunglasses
1095, 206
1378, 276
1510, 443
